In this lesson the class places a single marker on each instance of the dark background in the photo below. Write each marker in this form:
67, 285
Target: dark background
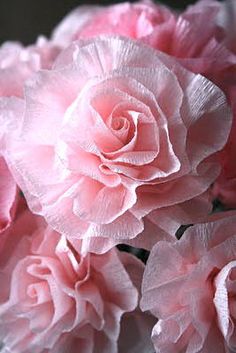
24, 20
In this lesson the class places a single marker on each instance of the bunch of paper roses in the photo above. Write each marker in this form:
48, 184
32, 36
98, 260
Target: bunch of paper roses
120, 129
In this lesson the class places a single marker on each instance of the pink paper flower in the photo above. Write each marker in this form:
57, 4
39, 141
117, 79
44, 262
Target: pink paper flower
174, 33
190, 287
212, 53
54, 300
153, 24
114, 135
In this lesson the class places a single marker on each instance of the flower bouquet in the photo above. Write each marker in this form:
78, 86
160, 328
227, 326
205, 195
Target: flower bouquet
118, 183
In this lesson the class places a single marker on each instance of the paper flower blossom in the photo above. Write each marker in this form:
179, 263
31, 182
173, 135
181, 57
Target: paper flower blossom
158, 26
55, 300
144, 20
190, 287
132, 131
213, 53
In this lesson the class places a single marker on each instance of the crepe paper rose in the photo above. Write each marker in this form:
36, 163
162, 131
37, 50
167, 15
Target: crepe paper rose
190, 287
17, 63
211, 54
53, 299
174, 33
129, 139
143, 20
